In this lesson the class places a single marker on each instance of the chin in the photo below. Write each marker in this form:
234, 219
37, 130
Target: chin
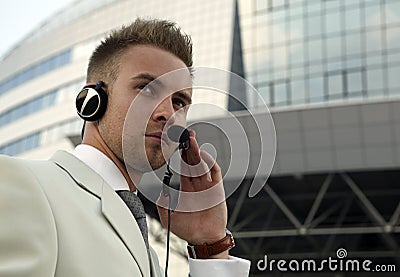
157, 164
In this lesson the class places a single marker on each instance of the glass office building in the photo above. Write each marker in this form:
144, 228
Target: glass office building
329, 70
301, 52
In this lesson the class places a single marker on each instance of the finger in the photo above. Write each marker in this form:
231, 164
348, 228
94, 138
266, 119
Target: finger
193, 153
207, 159
189, 156
215, 170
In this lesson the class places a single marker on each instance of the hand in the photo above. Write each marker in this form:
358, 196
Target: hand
204, 225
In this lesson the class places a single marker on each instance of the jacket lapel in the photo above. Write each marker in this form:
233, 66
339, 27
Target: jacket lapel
112, 206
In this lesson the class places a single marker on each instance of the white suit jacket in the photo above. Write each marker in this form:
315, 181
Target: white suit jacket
60, 218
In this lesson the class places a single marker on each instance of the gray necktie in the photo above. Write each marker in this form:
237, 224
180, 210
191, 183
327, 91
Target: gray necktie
137, 209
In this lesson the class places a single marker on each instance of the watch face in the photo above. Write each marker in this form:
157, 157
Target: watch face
233, 241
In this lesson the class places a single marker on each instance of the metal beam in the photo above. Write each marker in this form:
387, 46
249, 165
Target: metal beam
318, 200
266, 233
248, 219
395, 217
316, 232
293, 219
338, 223
325, 215
316, 255
372, 211
238, 206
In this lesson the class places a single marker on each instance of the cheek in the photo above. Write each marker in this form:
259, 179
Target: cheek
117, 110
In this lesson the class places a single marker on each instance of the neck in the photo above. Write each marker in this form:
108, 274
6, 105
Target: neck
93, 138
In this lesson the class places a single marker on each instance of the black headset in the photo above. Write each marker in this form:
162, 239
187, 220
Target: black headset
91, 102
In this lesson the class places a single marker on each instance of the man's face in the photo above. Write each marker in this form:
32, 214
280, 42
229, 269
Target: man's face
152, 106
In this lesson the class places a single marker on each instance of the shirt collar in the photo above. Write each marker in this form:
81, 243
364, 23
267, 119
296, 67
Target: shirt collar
102, 165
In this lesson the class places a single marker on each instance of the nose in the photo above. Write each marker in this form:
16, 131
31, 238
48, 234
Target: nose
164, 110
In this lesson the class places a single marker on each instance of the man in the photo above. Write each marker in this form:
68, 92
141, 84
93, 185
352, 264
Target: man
63, 217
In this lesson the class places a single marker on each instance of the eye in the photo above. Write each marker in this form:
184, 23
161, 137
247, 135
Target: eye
179, 103
146, 89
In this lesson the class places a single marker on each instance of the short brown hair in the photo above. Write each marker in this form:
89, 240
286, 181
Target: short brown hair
105, 60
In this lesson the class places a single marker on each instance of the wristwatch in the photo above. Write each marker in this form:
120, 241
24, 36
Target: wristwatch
206, 250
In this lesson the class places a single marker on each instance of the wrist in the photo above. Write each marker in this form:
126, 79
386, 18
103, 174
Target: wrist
214, 250
208, 239
223, 255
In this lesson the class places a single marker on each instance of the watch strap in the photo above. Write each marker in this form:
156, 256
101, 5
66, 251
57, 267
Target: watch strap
206, 250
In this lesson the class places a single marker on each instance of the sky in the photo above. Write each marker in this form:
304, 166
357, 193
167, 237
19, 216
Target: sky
19, 17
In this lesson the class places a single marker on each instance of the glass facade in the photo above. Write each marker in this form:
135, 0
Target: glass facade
30, 107
46, 136
300, 52
35, 71
21, 145
66, 93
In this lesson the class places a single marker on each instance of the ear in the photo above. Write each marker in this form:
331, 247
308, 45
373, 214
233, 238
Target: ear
91, 102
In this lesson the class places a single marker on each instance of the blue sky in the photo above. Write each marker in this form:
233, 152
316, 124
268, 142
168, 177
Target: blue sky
19, 17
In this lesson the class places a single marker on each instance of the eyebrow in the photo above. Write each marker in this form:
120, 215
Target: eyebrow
153, 78
184, 95
149, 77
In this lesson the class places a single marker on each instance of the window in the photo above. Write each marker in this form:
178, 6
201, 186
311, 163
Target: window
354, 83
392, 9
334, 47
394, 80
296, 10
313, 6
297, 53
280, 94
265, 94
261, 5
315, 50
373, 16
393, 37
296, 29
279, 34
332, 3
334, 84
375, 79
316, 88
36, 71
353, 43
280, 57
28, 108
22, 145
262, 37
298, 92
353, 19
314, 25
332, 22
278, 3
374, 41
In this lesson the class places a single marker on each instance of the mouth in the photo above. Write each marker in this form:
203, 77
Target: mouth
157, 137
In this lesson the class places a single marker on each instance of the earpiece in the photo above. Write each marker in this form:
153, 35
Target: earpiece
91, 102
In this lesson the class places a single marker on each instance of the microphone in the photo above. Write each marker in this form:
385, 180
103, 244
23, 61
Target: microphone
179, 134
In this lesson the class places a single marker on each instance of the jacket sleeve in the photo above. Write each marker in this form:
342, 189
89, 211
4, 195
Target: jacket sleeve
28, 240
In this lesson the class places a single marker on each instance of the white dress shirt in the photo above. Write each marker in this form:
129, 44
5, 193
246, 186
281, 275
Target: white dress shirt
106, 168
